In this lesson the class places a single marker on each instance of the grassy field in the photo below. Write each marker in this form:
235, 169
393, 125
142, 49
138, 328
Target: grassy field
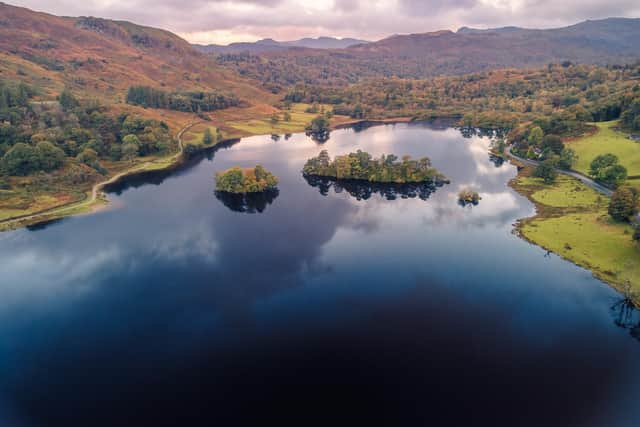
572, 221
607, 140
263, 126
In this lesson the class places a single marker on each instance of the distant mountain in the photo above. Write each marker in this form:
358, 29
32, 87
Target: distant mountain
601, 42
270, 45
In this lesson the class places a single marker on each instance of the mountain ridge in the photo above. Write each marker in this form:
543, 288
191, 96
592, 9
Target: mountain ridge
270, 45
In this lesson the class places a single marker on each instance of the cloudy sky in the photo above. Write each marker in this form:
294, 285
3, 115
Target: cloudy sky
224, 21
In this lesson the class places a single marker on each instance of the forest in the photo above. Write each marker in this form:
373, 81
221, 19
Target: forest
564, 96
44, 136
189, 102
362, 166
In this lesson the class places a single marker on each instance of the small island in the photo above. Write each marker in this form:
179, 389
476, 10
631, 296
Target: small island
246, 181
468, 197
361, 166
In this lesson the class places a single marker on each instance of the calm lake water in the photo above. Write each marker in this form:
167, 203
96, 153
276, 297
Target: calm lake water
311, 306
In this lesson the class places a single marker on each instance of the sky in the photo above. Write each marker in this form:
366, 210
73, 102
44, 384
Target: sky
224, 21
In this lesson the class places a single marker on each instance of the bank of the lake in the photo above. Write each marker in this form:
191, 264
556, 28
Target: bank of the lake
571, 221
91, 199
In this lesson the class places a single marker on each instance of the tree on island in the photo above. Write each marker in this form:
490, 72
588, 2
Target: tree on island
362, 166
468, 197
319, 129
250, 180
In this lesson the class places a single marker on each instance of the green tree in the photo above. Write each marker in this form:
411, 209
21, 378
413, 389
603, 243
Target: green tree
287, 116
51, 157
568, 158
624, 204
535, 136
606, 169
22, 159
552, 143
274, 119
207, 138
67, 100
88, 157
130, 147
547, 171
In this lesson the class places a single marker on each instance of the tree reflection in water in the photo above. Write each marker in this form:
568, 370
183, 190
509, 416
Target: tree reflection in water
627, 316
247, 203
363, 190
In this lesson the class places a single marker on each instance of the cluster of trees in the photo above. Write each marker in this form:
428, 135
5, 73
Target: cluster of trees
532, 143
191, 102
24, 159
319, 128
43, 136
242, 181
362, 166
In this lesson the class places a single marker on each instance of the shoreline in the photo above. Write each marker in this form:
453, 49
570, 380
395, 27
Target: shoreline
96, 200
543, 212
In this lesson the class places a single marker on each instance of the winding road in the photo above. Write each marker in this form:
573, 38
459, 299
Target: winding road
577, 175
96, 190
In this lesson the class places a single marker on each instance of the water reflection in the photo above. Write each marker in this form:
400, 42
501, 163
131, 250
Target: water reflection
248, 203
626, 316
363, 190
403, 307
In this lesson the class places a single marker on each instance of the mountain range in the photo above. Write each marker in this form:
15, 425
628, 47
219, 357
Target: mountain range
270, 45
102, 57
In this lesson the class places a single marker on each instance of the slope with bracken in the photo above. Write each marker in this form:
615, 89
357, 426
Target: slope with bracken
102, 58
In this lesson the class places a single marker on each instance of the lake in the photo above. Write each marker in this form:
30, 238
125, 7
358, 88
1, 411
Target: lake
319, 305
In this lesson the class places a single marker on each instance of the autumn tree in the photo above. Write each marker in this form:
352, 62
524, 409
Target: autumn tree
624, 204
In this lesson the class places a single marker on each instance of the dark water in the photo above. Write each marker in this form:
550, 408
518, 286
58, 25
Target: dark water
312, 306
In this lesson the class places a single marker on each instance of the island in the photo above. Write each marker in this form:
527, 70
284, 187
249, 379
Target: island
245, 181
468, 197
361, 166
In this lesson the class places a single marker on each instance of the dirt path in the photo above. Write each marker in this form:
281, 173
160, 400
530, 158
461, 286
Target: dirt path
96, 190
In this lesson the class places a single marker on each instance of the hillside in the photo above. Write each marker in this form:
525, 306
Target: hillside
270, 45
608, 41
102, 58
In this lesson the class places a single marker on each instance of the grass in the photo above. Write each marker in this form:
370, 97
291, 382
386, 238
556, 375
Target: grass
572, 221
263, 126
565, 193
607, 140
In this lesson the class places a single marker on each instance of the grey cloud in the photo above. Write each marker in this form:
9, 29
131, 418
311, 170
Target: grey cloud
285, 19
